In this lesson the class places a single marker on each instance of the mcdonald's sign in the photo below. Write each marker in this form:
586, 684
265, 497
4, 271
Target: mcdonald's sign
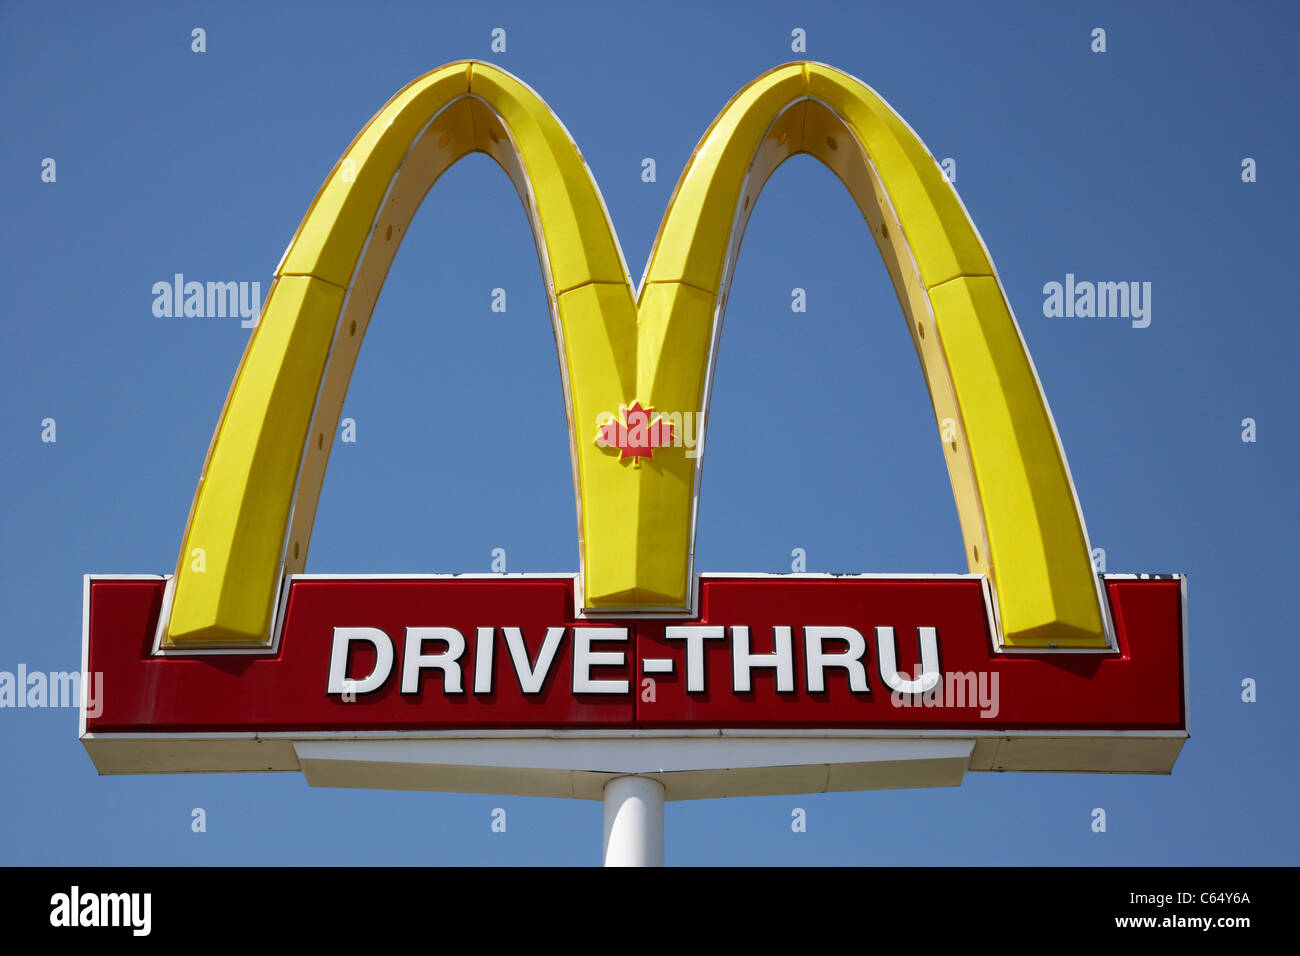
638, 663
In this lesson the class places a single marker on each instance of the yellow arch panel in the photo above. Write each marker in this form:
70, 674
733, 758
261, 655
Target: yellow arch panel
256, 500
1014, 495
254, 508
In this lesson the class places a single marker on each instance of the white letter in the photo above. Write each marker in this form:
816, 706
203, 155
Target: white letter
888, 661
742, 661
850, 660
448, 661
59, 914
484, 645
531, 677
142, 920
343, 637
695, 636
584, 659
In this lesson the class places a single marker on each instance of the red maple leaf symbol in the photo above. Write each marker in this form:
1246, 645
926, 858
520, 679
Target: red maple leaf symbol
636, 437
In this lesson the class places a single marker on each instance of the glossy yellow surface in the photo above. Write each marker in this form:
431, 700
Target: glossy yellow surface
253, 511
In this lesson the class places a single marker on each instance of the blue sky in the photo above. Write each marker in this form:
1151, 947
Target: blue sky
1115, 166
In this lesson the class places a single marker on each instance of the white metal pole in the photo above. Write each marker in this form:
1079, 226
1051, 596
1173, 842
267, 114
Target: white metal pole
634, 822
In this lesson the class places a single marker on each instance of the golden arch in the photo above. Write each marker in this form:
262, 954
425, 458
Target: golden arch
253, 511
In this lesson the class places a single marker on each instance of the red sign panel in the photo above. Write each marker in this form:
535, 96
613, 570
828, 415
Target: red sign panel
412, 654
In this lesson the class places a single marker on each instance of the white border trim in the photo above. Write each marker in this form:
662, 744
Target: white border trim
632, 734
272, 646
580, 613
